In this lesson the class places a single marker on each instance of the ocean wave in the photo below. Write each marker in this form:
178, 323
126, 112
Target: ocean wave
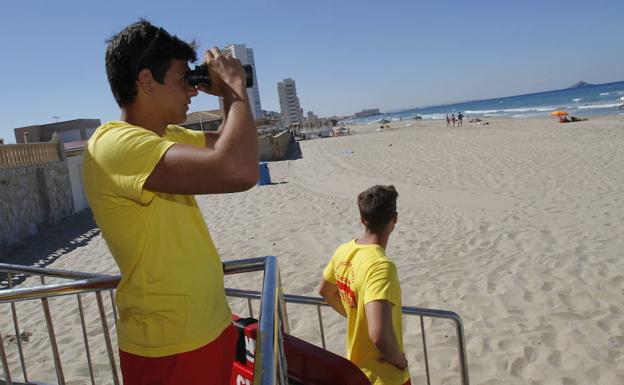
434, 116
604, 94
526, 109
597, 106
482, 112
512, 110
577, 99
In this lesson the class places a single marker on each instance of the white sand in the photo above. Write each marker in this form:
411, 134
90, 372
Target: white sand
517, 226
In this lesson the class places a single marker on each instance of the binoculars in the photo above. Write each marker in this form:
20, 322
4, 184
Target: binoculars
201, 75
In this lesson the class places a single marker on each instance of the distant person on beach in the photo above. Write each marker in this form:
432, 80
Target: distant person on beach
361, 283
448, 121
453, 119
141, 174
460, 118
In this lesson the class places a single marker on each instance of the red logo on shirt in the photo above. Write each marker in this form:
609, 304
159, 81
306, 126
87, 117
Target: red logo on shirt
344, 281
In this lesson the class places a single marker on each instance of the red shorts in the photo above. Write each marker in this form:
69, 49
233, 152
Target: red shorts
211, 363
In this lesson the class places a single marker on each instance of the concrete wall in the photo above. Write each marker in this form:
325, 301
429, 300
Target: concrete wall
32, 197
274, 147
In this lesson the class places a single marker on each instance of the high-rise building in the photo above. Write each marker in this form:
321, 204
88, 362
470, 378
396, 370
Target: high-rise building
289, 102
246, 56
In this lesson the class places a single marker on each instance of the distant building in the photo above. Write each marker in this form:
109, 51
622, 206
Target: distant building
312, 119
369, 112
67, 131
289, 102
204, 120
246, 56
272, 114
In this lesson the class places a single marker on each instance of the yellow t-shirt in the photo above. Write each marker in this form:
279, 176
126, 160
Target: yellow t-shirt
363, 273
171, 297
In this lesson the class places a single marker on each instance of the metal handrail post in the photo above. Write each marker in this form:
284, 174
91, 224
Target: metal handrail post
5, 363
107, 339
85, 338
424, 341
461, 344
264, 372
55, 352
17, 332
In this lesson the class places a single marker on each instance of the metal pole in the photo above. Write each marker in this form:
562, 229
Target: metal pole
55, 352
109, 346
17, 331
250, 308
266, 357
86, 340
424, 340
112, 297
461, 346
320, 318
5, 363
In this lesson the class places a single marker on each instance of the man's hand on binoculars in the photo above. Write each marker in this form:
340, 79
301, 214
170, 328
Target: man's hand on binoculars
226, 74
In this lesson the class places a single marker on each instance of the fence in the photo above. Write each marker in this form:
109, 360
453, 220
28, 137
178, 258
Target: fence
269, 369
15, 155
273, 320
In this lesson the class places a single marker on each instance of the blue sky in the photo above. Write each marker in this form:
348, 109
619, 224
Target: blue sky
344, 55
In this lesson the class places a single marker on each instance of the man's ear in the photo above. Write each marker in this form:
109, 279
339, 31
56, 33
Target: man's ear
145, 80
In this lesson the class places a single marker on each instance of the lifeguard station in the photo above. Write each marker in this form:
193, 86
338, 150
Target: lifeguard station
267, 353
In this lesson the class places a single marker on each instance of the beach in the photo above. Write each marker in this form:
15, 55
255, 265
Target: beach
516, 226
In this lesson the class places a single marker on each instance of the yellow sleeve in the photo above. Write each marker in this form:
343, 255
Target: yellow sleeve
328, 272
382, 283
180, 134
128, 155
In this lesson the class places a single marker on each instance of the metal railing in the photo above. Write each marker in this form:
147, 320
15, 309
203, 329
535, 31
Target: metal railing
406, 310
270, 362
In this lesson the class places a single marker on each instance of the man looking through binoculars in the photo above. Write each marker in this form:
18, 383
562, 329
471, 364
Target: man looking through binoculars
140, 174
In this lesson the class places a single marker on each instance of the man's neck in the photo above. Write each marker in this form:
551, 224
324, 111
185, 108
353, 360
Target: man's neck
143, 119
370, 238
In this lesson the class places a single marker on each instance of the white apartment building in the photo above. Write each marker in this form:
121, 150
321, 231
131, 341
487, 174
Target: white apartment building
289, 102
246, 56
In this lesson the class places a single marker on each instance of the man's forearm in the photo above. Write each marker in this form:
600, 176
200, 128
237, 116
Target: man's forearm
238, 136
389, 349
335, 302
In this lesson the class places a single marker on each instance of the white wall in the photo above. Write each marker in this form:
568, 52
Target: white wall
74, 164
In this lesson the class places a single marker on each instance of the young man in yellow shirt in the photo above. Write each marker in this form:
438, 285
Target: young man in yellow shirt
361, 283
141, 174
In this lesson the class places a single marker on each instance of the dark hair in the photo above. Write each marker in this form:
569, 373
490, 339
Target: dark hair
141, 45
377, 206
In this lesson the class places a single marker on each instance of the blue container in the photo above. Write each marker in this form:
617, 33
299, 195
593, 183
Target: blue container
265, 175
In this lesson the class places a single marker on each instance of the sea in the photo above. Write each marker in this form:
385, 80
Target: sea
584, 101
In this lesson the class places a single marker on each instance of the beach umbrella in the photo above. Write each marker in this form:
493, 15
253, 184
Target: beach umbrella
559, 113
